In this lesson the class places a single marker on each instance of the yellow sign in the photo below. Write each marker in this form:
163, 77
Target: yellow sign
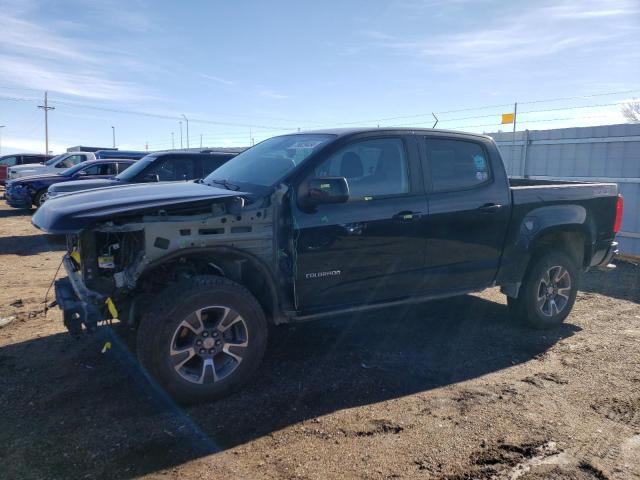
508, 117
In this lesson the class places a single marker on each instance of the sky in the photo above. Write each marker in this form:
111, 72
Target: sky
243, 71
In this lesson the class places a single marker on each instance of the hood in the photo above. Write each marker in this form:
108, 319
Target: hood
77, 185
44, 177
28, 166
76, 211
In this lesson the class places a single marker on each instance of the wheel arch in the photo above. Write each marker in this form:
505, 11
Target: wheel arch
567, 228
574, 240
240, 266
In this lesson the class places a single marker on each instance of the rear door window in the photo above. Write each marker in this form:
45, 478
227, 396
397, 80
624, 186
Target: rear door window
210, 164
455, 164
97, 169
32, 159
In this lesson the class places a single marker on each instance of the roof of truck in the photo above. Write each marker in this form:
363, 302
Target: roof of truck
353, 130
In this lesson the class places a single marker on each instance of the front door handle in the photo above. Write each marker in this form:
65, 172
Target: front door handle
490, 208
406, 216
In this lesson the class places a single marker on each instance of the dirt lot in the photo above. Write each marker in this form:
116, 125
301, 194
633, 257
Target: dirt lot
450, 389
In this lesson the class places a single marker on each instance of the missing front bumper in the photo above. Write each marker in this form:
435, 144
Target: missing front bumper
82, 308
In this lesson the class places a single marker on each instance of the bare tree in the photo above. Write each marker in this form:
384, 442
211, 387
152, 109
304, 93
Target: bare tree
631, 111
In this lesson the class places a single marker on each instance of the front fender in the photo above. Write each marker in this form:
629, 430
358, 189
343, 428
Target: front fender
223, 252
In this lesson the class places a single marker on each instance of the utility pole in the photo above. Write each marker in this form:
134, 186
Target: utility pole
513, 137
186, 120
201, 141
46, 109
1, 127
113, 131
173, 144
146, 147
180, 134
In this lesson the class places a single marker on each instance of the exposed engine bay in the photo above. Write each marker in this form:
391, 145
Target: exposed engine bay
128, 260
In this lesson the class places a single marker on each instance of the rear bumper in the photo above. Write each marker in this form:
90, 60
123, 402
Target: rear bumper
610, 253
81, 306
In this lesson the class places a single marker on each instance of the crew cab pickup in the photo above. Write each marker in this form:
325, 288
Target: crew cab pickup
53, 165
7, 161
309, 225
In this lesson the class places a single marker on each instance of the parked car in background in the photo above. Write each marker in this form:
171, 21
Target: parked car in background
155, 167
53, 165
19, 159
135, 155
32, 191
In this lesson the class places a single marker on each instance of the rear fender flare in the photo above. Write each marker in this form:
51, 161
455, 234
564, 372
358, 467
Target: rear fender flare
540, 224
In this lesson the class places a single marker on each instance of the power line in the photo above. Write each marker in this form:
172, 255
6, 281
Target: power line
226, 114
533, 111
545, 120
484, 107
269, 130
145, 114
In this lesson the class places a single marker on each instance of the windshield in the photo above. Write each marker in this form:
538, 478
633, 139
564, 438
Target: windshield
130, 173
269, 161
55, 159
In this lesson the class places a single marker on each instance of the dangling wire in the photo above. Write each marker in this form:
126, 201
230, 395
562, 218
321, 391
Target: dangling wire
46, 295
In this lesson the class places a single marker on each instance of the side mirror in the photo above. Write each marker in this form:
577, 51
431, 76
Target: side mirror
151, 177
324, 190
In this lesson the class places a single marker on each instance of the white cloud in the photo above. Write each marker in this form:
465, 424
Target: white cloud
78, 82
272, 94
213, 78
524, 34
41, 56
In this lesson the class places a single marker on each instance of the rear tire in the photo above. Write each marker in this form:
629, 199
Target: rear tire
204, 338
548, 291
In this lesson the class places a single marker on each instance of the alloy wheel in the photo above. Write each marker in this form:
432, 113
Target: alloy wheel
554, 291
209, 344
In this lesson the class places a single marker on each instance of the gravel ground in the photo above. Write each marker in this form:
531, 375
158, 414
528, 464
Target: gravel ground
449, 389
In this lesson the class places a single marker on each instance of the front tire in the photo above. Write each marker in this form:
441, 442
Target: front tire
38, 199
548, 291
204, 338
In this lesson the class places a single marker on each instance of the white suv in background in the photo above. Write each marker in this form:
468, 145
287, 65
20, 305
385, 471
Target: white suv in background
54, 165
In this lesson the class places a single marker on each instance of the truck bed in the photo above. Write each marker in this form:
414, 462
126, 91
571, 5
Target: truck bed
530, 182
529, 191
571, 204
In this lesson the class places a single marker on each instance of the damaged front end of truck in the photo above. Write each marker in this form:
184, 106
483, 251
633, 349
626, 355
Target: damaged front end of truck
127, 244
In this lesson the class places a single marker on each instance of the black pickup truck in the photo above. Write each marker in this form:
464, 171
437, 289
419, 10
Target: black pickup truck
309, 225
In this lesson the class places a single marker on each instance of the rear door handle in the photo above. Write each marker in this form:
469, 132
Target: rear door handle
490, 208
